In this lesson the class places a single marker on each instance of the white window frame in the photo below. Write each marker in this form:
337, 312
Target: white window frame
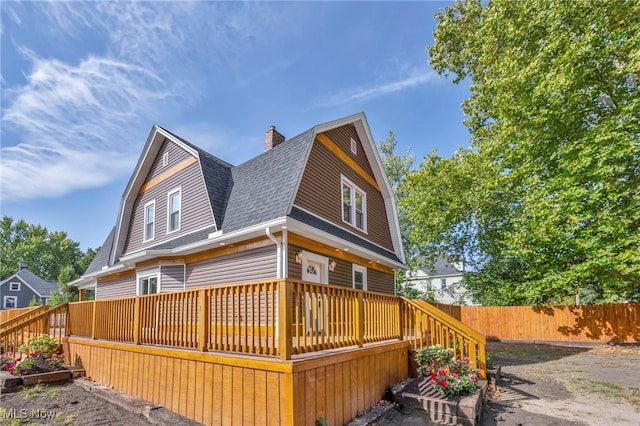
443, 283
11, 286
359, 268
15, 302
354, 146
144, 275
177, 190
146, 237
353, 188
165, 159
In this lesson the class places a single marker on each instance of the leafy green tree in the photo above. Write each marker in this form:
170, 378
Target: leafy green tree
47, 253
396, 167
65, 293
554, 117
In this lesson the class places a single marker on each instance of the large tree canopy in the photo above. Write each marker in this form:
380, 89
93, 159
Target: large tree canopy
546, 200
47, 253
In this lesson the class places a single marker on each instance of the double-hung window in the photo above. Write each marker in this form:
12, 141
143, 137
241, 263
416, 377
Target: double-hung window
14, 286
359, 277
354, 205
174, 210
149, 220
148, 284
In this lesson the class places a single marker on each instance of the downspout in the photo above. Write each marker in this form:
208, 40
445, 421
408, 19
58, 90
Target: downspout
285, 253
279, 252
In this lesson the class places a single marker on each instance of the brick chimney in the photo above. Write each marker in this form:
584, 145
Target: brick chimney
272, 138
22, 265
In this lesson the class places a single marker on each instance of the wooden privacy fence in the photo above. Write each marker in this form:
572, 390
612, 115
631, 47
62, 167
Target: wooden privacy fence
52, 322
585, 323
278, 318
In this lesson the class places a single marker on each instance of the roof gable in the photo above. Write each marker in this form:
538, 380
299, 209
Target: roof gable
257, 191
39, 286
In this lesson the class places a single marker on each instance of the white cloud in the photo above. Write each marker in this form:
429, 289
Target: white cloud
79, 125
365, 93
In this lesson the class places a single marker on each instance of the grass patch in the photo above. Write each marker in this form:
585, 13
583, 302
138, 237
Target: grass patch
7, 419
39, 390
69, 419
33, 391
610, 390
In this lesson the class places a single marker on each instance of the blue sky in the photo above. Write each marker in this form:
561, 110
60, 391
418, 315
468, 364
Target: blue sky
83, 83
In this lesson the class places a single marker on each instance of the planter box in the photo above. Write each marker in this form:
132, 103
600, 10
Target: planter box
459, 410
11, 383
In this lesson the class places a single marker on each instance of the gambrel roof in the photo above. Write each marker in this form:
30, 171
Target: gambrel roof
252, 194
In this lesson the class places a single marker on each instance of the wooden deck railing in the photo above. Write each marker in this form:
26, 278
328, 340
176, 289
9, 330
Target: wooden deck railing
425, 325
275, 318
52, 322
20, 315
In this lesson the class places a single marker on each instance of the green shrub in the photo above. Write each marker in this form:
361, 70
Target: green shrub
433, 358
43, 346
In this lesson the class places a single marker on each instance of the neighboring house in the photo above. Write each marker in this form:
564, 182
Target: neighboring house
444, 281
19, 289
317, 207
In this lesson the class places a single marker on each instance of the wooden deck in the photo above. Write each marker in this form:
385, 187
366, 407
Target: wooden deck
274, 352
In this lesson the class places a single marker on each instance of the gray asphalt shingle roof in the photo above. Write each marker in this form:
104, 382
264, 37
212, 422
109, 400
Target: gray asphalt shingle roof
256, 191
42, 287
263, 187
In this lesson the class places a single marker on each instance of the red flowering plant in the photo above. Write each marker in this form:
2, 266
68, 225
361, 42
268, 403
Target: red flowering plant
8, 361
40, 357
448, 376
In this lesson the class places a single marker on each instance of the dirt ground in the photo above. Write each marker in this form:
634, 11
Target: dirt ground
551, 385
65, 404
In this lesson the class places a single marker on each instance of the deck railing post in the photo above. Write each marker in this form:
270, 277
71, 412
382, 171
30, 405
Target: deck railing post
360, 318
204, 319
136, 321
93, 320
284, 319
401, 319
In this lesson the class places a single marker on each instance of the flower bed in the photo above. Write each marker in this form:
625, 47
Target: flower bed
39, 355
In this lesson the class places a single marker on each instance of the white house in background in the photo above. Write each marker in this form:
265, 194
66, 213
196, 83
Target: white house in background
444, 281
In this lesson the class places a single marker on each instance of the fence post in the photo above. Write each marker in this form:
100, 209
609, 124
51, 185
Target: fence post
93, 320
136, 321
360, 318
284, 319
204, 319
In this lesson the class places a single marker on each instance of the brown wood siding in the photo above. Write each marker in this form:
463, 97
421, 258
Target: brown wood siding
342, 137
253, 265
176, 155
172, 277
195, 208
117, 287
338, 277
380, 281
325, 200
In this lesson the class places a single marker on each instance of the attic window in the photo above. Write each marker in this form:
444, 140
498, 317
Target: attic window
14, 286
165, 159
354, 146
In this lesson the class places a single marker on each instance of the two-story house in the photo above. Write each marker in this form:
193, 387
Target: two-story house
21, 288
316, 207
